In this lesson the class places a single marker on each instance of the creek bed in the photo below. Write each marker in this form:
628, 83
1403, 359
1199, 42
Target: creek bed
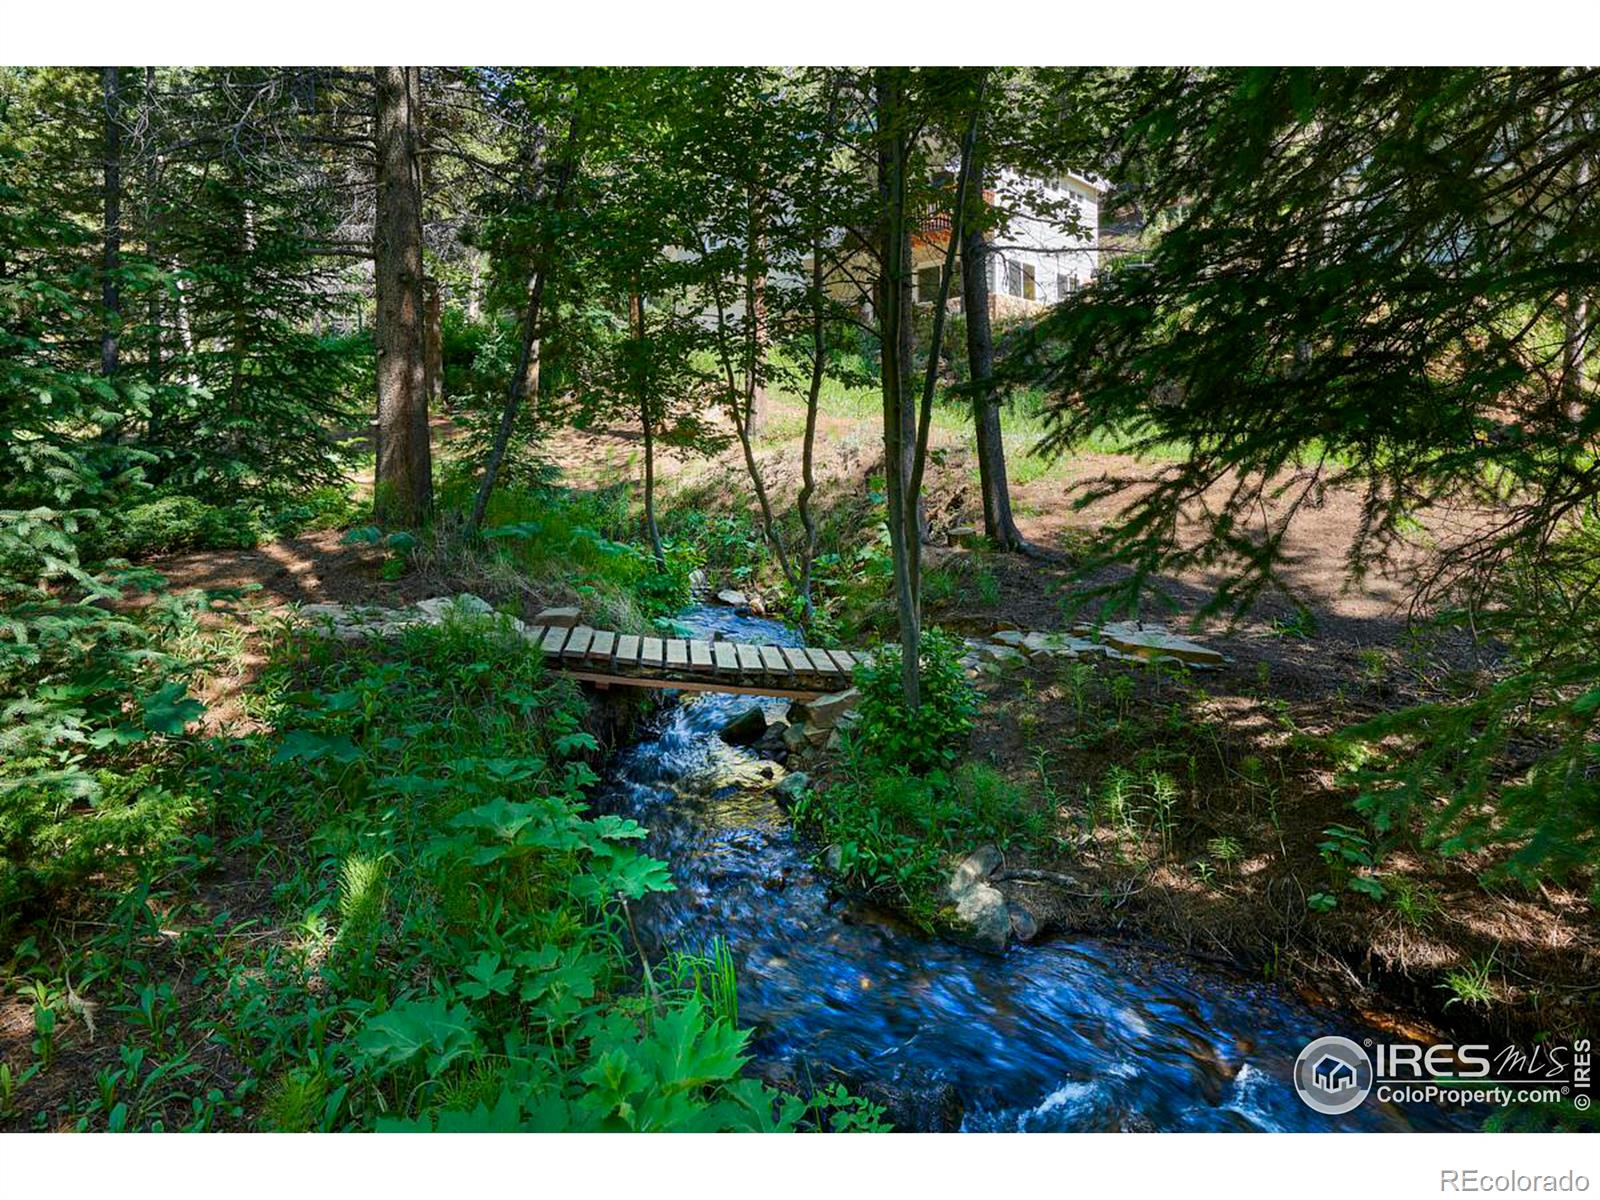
1072, 1033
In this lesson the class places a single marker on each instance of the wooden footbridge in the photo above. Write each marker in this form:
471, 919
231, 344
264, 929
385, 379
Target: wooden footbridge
604, 658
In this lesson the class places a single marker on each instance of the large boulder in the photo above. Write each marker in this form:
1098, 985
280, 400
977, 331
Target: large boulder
974, 869
964, 536
746, 728
984, 917
792, 786
1024, 925
981, 913
825, 711
732, 599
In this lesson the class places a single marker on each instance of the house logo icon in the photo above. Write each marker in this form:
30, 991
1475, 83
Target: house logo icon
1333, 1075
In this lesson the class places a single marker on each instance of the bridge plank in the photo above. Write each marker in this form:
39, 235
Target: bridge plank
797, 660
700, 656
534, 634
578, 642
627, 649
772, 660
604, 644
677, 654
820, 662
554, 638
749, 656
846, 660
650, 652
727, 659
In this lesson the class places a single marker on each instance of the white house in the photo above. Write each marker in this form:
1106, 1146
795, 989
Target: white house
1045, 248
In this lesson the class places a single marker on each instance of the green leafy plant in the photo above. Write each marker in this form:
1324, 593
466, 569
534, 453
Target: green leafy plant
935, 734
1471, 983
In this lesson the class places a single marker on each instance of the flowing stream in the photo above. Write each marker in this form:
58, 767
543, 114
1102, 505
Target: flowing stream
1071, 1033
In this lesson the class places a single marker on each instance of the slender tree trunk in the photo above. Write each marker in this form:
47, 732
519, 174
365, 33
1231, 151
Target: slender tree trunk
475, 288
756, 301
185, 332
433, 350
152, 216
646, 427
404, 492
819, 367
525, 379
740, 407
111, 258
924, 418
893, 304
808, 479
1579, 332
998, 521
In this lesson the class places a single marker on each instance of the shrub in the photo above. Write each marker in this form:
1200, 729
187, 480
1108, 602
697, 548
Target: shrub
174, 523
322, 508
896, 830
933, 735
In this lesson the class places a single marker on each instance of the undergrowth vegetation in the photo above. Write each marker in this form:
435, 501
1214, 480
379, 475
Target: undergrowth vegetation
394, 912
903, 802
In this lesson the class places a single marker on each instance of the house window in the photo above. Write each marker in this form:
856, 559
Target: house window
1013, 279
1030, 289
928, 283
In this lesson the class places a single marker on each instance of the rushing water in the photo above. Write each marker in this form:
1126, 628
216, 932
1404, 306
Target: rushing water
1069, 1034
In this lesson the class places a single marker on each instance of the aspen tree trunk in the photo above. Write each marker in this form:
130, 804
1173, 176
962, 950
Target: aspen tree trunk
893, 304
756, 299
475, 288
636, 313
111, 257
404, 492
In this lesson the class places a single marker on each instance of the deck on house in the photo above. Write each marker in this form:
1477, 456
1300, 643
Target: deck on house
604, 658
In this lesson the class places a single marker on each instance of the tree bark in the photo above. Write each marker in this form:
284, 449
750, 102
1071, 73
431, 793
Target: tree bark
154, 314
808, 478
433, 350
646, 427
475, 288
111, 257
893, 304
1575, 348
998, 522
756, 299
404, 492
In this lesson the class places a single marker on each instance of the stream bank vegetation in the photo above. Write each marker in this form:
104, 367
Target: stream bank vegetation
648, 333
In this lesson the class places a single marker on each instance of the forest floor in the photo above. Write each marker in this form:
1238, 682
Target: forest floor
1223, 867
